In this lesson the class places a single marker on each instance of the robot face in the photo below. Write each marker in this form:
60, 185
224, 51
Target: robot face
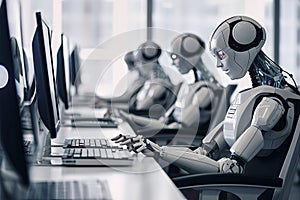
186, 51
183, 65
235, 44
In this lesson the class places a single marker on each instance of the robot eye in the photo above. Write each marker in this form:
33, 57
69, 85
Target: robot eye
173, 56
221, 54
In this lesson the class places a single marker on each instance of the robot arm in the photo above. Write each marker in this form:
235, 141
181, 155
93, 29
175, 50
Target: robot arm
191, 113
266, 115
149, 95
192, 161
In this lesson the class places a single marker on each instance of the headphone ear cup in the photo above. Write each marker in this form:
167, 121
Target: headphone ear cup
244, 32
190, 45
244, 35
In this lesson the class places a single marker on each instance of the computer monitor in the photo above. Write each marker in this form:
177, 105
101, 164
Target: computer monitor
44, 76
11, 91
75, 68
63, 72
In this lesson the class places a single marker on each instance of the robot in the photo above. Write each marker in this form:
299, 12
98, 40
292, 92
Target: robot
153, 86
158, 87
196, 103
136, 79
257, 122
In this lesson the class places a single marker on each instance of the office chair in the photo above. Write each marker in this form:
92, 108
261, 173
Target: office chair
264, 178
191, 136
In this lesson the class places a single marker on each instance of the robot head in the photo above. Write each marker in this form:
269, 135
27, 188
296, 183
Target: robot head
235, 43
186, 50
148, 52
130, 60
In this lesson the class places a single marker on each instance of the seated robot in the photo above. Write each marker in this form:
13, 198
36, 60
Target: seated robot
137, 80
158, 87
257, 122
153, 85
196, 103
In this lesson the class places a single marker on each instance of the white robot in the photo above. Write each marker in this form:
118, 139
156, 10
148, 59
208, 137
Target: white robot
152, 86
257, 122
158, 88
136, 82
196, 103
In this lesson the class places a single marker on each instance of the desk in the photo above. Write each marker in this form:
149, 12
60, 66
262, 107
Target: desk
144, 180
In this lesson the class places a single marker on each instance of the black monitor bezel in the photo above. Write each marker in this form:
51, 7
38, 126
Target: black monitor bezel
75, 67
63, 74
10, 122
47, 113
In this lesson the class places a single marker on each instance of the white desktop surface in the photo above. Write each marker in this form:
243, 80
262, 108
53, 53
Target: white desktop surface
144, 180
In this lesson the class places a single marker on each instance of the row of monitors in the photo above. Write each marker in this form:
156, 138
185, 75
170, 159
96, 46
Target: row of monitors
15, 89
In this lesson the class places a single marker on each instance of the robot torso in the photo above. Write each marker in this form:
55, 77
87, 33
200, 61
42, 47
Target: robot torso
240, 114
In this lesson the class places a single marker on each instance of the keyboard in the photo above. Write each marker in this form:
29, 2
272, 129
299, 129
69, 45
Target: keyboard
90, 189
94, 122
97, 157
90, 143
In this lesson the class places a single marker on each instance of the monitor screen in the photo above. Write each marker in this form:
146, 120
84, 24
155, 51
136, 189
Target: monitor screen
63, 72
10, 124
74, 67
44, 75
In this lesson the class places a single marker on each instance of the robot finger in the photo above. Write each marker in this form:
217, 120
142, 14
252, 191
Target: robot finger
127, 141
141, 148
137, 138
138, 144
117, 137
122, 138
132, 148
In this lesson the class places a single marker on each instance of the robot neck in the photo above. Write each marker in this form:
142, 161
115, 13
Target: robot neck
264, 71
158, 72
202, 73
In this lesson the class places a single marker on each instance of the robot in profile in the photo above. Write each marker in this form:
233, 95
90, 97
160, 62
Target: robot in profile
153, 86
258, 121
135, 77
196, 103
158, 87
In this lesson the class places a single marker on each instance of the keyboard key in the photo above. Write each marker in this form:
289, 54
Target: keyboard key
98, 144
109, 153
103, 153
97, 153
84, 153
91, 153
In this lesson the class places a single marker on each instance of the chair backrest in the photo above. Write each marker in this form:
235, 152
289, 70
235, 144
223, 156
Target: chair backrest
282, 162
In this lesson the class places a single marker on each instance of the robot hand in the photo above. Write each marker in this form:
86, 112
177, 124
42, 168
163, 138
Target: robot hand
100, 103
133, 143
227, 165
201, 151
108, 113
136, 143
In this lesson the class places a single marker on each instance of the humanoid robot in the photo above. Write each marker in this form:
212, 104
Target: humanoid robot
158, 87
196, 103
260, 118
136, 83
153, 85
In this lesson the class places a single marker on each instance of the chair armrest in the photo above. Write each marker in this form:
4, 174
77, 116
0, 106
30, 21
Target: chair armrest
207, 179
